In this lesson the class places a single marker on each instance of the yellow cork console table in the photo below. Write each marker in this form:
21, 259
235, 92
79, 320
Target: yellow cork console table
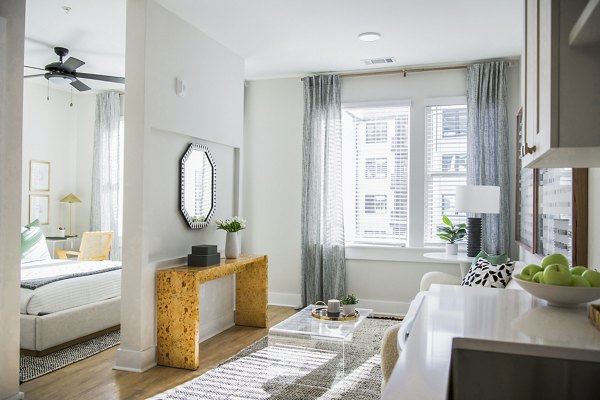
178, 305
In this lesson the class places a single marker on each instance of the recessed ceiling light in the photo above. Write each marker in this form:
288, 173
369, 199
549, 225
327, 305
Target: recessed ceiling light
369, 36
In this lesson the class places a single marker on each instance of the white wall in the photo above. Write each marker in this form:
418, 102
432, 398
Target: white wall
158, 126
49, 134
12, 29
272, 190
63, 135
273, 160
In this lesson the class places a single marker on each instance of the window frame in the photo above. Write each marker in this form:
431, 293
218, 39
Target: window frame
387, 243
438, 102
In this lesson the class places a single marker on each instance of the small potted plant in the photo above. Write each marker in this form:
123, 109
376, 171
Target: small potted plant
232, 242
451, 233
348, 303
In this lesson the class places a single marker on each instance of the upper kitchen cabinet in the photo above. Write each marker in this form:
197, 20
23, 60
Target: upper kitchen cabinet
561, 84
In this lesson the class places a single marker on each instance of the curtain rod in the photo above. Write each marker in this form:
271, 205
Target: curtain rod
404, 71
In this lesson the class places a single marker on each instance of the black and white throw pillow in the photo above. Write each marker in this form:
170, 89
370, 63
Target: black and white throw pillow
488, 275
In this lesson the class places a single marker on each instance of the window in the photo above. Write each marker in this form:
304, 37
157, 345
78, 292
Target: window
376, 173
376, 132
446, 162
376, 168
454, 162
375, 203
448, 203
454, 121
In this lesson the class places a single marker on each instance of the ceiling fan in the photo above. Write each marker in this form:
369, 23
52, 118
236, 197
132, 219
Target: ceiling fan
65, 72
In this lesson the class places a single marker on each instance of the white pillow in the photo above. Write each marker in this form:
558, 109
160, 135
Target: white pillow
33, 243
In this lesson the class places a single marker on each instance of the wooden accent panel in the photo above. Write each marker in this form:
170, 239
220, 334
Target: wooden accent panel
580, 216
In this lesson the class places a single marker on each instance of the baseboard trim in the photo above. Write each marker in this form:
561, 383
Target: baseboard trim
135, 361
285, 299
385, 307
379, 306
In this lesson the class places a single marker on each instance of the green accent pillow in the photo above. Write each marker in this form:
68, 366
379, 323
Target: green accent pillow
492, 259
33, 243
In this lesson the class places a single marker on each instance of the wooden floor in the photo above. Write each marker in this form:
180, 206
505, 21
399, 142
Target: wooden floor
94, 378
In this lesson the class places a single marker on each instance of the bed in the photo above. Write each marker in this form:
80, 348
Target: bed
63, 302
64, 311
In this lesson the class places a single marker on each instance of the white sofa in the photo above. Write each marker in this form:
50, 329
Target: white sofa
390, 350
442, 278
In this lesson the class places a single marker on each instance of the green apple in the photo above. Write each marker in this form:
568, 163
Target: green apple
557, 274
555, 258
538, 277
593, 277
529, 271
578, 270
577, 280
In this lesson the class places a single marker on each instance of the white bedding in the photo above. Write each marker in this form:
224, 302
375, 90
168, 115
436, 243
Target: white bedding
67, 293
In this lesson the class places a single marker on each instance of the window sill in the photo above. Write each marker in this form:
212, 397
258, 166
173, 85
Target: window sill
390, 253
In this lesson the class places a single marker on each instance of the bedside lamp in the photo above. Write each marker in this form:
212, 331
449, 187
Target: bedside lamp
70, 198
476, 200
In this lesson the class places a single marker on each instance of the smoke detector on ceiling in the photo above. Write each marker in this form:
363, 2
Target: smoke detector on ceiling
381, 60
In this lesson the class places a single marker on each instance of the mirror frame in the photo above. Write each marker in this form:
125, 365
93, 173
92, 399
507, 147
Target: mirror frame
191, 148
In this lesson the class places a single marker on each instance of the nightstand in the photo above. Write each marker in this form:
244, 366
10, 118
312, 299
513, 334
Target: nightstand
51, 241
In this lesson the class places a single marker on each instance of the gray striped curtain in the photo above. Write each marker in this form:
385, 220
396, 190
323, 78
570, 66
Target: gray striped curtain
107, 169
488, 153
323, 255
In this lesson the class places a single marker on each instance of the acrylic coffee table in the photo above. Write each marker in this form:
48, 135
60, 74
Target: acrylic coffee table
319, 345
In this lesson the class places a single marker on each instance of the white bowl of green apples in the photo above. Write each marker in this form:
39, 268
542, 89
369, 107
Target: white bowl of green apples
559, 284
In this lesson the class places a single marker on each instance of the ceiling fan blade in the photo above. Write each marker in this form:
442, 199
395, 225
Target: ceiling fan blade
107, 78
82, 87
29, 66
71, 64
33, 76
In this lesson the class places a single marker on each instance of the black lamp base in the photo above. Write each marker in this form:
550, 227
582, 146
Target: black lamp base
474, 236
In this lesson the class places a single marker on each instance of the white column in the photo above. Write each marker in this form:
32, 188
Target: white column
137, 351
12, 31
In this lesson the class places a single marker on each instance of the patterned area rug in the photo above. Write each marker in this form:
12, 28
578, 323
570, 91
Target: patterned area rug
33, 367
295, 369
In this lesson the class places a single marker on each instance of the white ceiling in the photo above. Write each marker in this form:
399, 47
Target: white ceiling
289, 37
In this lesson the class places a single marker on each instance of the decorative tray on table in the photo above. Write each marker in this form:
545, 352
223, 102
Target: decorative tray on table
321, 313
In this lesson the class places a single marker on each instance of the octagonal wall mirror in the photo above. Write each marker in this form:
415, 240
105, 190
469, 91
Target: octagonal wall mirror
198, 186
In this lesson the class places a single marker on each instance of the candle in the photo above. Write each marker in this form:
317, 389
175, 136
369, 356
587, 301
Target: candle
333, 306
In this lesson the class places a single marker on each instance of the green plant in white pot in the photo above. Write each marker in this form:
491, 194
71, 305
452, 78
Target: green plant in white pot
451, 233
348, 303
232, 241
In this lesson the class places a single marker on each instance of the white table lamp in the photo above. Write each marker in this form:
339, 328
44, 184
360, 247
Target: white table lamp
476, 200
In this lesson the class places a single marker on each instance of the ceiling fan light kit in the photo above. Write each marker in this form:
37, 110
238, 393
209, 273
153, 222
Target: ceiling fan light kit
63, 73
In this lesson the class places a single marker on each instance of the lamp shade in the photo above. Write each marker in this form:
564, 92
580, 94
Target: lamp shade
70, 198
478, 199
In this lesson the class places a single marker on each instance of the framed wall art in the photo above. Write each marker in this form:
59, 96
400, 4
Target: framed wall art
39, 176
39, 208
